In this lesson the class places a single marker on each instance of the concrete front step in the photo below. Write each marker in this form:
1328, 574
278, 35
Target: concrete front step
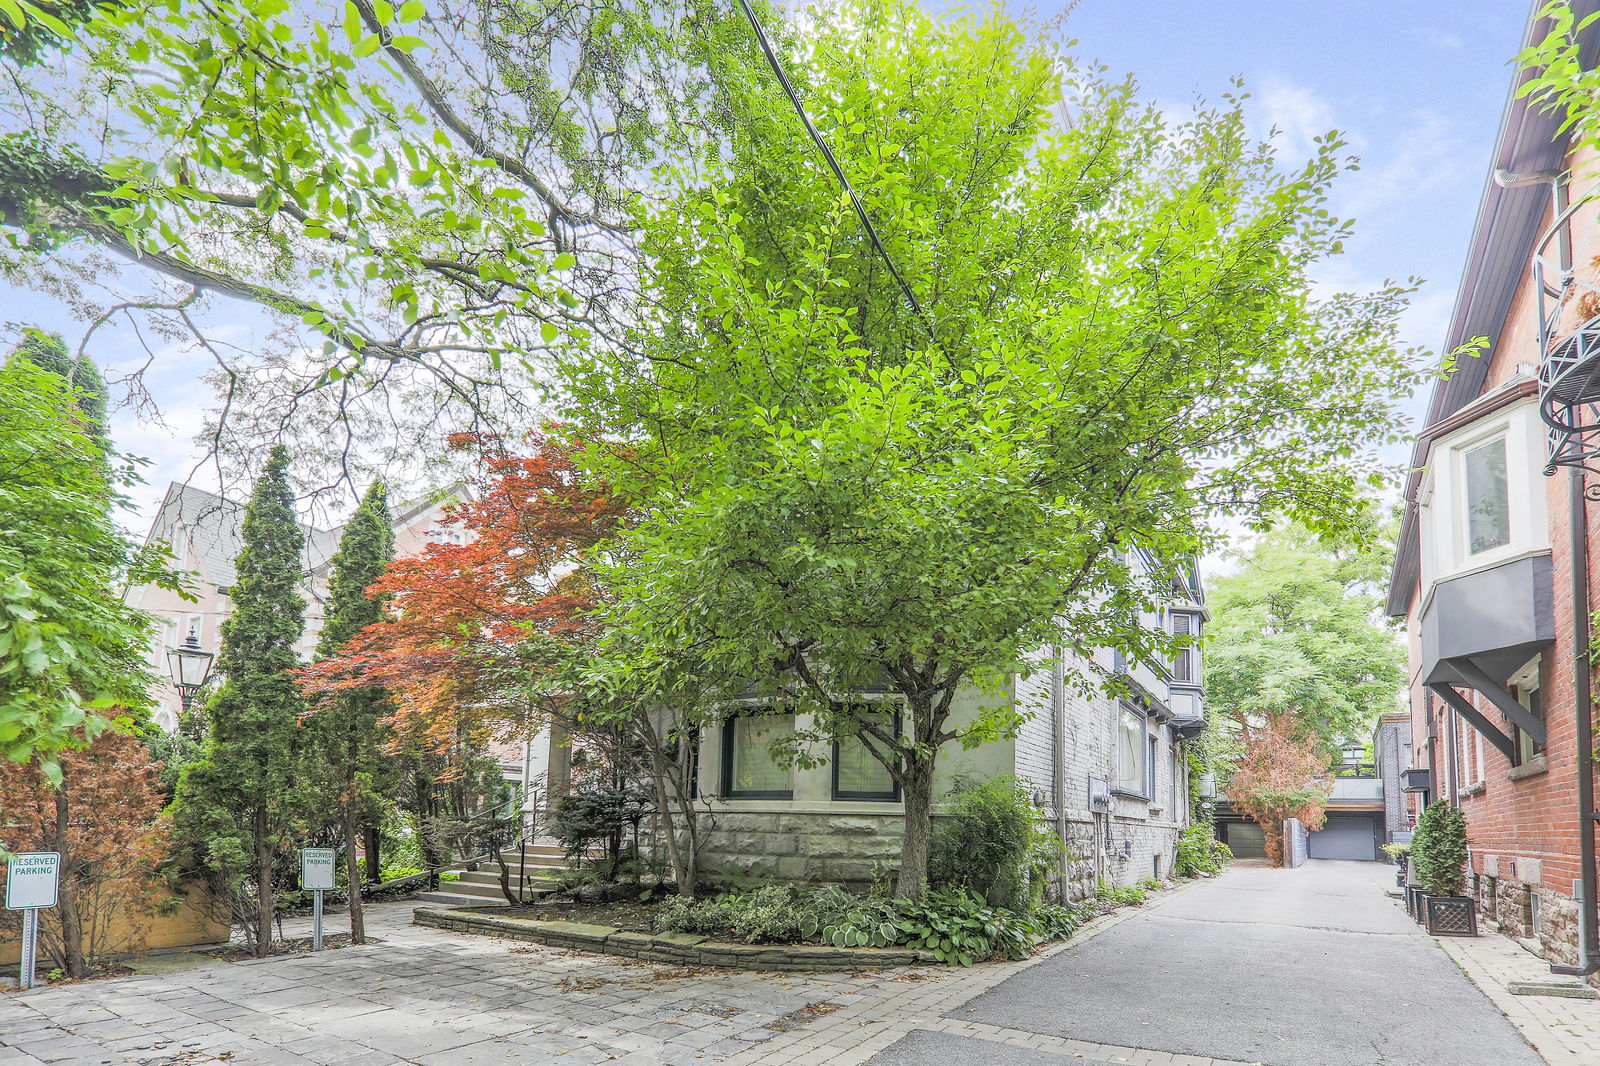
488, 875
453, 899
492, 887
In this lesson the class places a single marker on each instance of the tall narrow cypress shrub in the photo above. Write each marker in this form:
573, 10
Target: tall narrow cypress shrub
344, 726
236, 810
48, 351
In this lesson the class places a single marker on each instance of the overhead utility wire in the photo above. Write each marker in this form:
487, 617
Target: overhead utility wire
833, 164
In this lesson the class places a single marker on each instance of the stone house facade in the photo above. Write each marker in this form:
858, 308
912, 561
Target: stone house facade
1106, 773
1498, 543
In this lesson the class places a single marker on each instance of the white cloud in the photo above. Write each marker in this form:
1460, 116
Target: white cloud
1429, 155
1293, 116
1437, 39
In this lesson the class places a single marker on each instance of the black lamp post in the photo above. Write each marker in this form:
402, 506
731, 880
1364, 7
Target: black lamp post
189, 666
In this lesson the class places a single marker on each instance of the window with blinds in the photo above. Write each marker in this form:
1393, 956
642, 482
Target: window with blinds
749, 770
859, 776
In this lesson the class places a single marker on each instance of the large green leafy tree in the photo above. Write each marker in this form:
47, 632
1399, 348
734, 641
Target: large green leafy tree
439, 190
49, 352
1299, 659
1298, 630
344, 731
1118, 339
236, 809
72, 656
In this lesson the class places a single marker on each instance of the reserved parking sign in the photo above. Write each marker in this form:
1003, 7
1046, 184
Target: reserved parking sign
31, 880
316, 868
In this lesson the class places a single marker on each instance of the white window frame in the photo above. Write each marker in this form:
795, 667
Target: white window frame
1441, 495
1526, 682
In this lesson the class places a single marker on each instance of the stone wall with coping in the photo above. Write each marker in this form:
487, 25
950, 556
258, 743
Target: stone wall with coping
676, 949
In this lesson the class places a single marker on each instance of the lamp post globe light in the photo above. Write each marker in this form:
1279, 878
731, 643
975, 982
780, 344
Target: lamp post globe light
189, 665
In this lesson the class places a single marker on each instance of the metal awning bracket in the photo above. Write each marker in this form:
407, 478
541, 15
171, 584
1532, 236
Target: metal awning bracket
1523, 718
1465, 709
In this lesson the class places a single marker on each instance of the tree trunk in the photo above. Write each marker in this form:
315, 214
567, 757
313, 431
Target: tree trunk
264, 887
374, 861
666, 825
505, 870
352, 866
917, 790
72, 957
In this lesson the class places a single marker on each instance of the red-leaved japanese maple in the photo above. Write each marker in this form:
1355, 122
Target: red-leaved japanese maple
471, 627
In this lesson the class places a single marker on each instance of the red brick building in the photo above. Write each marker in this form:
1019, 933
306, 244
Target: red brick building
1498, 507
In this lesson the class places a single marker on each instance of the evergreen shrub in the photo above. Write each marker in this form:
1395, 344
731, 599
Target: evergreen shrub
1439, 849
993, 845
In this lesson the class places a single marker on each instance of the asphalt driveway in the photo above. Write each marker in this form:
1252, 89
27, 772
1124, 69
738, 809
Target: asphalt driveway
1307, 967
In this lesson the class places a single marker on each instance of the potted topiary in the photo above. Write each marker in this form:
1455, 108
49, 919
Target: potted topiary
1398, 853
1439, 857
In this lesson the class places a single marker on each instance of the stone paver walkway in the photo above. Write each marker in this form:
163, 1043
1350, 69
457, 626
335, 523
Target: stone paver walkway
1566, 1031
431, 998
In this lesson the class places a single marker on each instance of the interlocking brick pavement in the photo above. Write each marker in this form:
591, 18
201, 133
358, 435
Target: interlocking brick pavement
1566, 1031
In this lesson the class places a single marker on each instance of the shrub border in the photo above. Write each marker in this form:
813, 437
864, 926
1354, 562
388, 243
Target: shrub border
680, 949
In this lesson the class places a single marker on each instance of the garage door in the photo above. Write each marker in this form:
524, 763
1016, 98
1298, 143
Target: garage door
1345, 836
1246, 840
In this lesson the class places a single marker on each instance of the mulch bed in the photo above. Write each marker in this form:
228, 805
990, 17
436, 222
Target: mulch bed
631, 916
41, 976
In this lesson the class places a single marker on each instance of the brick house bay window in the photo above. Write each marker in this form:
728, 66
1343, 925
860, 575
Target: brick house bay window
1488, 503
748, 769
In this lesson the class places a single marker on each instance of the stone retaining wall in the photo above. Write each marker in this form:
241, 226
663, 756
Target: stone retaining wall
679, 949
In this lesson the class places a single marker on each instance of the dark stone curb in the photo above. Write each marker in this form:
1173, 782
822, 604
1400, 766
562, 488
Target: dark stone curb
676, 948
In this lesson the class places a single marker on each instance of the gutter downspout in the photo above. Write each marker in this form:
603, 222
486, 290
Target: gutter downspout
1058, 720
1449, 719
1578, 516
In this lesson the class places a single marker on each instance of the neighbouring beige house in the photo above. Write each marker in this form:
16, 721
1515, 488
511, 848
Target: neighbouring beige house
202, 530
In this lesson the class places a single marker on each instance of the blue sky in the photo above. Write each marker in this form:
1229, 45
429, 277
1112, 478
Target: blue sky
1416, 85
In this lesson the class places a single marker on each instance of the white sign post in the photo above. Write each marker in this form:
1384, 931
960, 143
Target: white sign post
31, 881
316, 875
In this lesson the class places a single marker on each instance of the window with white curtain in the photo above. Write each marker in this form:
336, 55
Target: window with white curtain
1131, 764
1488, 501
